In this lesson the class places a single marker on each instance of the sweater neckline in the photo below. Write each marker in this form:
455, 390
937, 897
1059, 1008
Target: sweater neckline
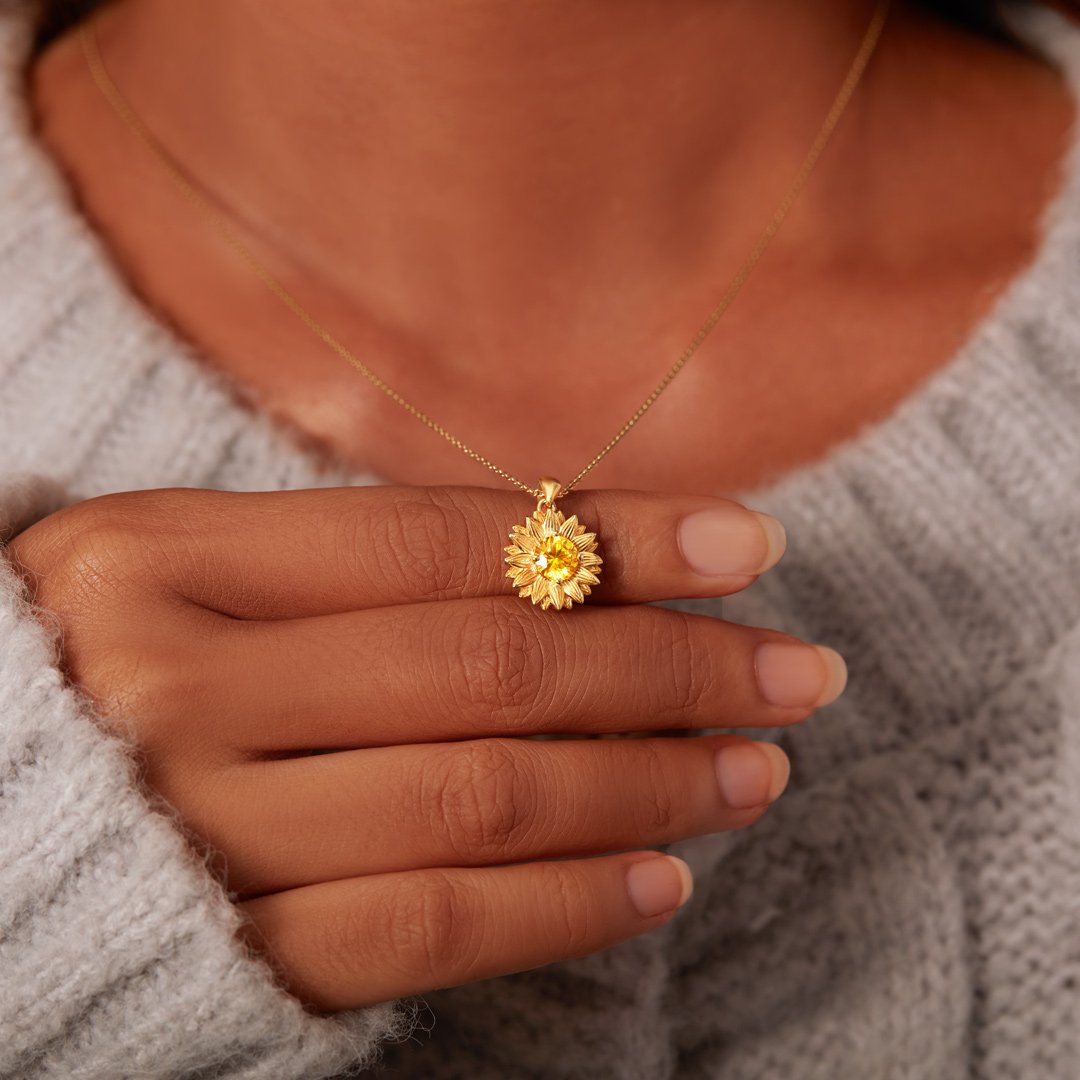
1058, 231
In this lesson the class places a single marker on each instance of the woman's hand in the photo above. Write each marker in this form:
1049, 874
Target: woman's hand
425, 844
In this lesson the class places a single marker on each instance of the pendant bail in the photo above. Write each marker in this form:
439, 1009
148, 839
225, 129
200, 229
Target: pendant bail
550, 488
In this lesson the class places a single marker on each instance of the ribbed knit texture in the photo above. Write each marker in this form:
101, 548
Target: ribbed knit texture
909, 909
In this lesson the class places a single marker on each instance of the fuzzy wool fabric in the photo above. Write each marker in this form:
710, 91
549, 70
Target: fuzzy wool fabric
909, 909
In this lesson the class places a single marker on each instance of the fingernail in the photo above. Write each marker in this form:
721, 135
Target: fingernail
731, 540
659, 885
797, 674
751, 774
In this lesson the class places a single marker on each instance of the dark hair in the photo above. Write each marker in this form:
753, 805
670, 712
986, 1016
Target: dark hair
981, 15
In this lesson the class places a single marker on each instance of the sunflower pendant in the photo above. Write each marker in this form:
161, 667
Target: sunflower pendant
552, 558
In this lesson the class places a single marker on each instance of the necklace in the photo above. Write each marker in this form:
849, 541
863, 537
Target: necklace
552, 558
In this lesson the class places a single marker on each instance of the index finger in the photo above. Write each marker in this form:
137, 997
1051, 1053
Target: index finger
295, 554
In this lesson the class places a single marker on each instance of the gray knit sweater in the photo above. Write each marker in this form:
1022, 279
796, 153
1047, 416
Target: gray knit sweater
909, 909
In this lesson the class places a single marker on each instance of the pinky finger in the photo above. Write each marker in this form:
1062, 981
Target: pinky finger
358, 941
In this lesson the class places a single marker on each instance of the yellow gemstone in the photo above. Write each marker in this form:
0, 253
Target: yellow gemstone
556, 558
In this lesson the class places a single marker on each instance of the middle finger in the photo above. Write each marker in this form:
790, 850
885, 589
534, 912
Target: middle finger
492, 666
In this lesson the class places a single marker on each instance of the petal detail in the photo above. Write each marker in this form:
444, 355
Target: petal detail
573, 590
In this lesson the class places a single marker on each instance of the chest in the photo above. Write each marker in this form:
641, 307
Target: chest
788, 374
814, 348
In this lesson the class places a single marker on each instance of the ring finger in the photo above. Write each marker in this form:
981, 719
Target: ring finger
484, 802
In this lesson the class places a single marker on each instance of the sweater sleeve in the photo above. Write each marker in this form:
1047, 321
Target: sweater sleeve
119, 952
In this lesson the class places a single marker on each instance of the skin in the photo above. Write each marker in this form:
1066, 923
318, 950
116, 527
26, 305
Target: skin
538, 193
429, 843
586, 232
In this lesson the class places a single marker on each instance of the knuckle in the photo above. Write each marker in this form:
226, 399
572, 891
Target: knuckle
90, 585
658, 801
144, 689
684, 667
574, 919
432, 928
425, 539
75, 554
503, 660
90, 554
482, 800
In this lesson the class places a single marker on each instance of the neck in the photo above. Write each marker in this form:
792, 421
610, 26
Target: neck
498, 158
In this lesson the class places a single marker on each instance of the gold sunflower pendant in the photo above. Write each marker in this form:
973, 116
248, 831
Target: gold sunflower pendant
552, 558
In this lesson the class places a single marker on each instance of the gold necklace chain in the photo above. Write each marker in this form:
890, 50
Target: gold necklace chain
112, 93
